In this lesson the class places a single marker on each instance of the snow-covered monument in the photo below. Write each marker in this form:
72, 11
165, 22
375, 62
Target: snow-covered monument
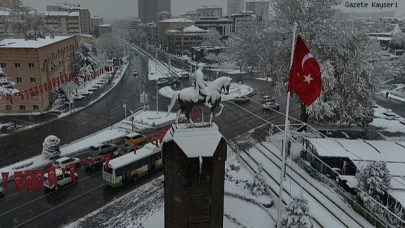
194, 171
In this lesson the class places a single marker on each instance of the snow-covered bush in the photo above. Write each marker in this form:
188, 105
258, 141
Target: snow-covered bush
86, 59
6, 85
51, 146
24, 22
212, 39
397, 41
111, 44
374, 179
297, 214
258, 187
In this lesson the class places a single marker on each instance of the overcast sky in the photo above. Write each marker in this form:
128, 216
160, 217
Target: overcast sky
110, 9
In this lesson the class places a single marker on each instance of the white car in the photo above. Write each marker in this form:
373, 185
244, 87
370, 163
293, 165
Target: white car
65, 161
61, 179
271, 105
267, 98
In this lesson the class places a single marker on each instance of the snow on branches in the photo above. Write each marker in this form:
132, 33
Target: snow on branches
87, 61
258, 187
6, 85
212, 39
297, 214
51, 146
111, 44
374, 179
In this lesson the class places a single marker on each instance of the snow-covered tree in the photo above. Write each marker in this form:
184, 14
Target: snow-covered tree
67, 91
351, 61
86, 60
24, 22
51, 146
258, 187
374, 179
297, 214
212, 39
398, 41
6, 85
111, 44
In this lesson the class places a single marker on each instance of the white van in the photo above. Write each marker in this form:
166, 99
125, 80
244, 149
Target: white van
62, 179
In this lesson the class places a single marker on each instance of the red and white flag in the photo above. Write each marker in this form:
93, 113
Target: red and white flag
9, 97
5, 180
135, 147
39, 179
305, 74
107, 161
18, 181
29, 182
63, 170
52, 179
72, 172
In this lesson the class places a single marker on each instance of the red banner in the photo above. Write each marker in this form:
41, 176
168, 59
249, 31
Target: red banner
26, 94
29, 182
49, 85
9, 97
40, 89
62, 79
31, 92
39, 179
63, 170
72, 172
5, 180
21, 94
52, 179
18, 181
107, 160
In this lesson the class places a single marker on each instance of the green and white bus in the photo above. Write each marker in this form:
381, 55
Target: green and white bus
130, 167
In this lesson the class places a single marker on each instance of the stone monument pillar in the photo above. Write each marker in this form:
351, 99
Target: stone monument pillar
194, 175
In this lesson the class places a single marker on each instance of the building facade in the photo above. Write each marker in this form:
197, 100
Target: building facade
148, 10
133, 25
64, 22
94, 22
235, 6
161, 16
260, 8
175, 23
240, 18
165, 6
191, 15
150, 29
180, 41
103, 29
84, 14
32, 62
222, 25
14, 5
205, 11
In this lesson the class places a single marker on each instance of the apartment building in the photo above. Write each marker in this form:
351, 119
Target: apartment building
64, 22
205, 11
94, 22
174, 23
235, 6
14, 5
36, 64
260, 8
180, 41
84, 14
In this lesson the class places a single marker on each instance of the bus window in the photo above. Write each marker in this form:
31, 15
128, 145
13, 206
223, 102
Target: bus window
118, 172
108, 170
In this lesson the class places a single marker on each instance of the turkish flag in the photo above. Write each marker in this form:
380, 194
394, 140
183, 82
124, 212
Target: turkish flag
107, 160
192, 115
135, 147
305, 74
9, 97
156, 138
39, 179
62, 80
36, 90
26, 93
18, 181
161, 135
72, 172
63, 170
40, 89
5, 180
46, 86
49, 85
21, 94
29, 182
52, 180
58, 80
150, 139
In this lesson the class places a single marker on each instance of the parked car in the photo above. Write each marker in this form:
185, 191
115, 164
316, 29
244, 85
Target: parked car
184, 75
133, 138
135, 73
242, 99
162, 81
102, 149
93, 162
271, 105
65, 162
62, 180
267, 98
2, 194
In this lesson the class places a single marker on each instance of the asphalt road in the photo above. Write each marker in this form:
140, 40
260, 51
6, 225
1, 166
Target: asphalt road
37, 209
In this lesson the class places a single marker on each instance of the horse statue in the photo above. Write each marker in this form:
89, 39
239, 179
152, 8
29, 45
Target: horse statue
186, 98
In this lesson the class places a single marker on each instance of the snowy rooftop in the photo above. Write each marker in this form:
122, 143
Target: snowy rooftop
40, 42
176, 20
59, 13
357, 150
193, 28
126, 159
4, 13
105, 25
195, 142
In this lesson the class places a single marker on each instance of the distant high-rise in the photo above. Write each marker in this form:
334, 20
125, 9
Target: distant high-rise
14, 5
148, 9
260, 8
213, 10
235, 6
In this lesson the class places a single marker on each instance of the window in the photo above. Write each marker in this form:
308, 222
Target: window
33, 94
31, 65
3, 65
16, 65
8, 108
67, 161
22, 107
35, 107
19, 79
32, 79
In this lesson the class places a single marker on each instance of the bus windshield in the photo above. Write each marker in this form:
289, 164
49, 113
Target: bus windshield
108, 170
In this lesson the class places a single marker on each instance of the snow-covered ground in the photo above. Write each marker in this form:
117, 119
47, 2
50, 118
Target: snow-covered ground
146, 119
117, 131
144, 206
234, 91
396, 92
268, 79
389, 121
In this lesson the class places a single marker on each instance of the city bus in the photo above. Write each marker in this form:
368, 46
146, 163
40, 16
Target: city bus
129, 167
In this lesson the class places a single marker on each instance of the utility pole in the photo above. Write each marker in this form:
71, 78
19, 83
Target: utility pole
169, 65
157, 98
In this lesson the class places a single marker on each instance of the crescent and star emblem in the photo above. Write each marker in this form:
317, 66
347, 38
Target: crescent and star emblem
39, 176
29, 178
308, 77
17, 179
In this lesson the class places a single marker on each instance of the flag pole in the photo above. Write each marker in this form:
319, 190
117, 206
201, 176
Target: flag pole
280, 204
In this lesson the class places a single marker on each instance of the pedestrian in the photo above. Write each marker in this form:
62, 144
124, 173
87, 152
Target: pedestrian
386, 95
